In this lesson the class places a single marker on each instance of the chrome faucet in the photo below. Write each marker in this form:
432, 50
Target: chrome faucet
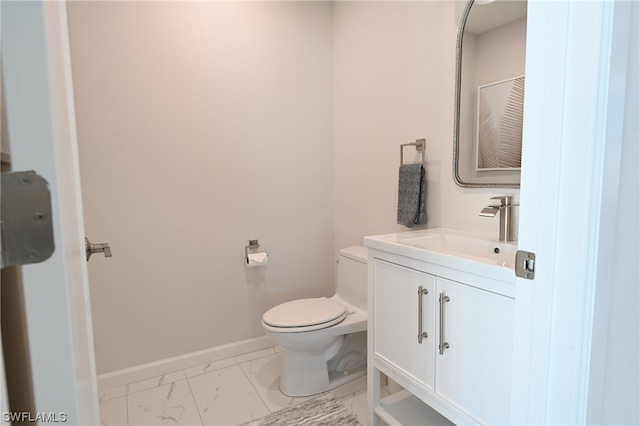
505, 207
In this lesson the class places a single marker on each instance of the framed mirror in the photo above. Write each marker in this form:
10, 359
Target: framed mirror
490, 64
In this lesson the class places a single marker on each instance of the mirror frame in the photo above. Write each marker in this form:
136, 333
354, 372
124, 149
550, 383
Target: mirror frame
456, 113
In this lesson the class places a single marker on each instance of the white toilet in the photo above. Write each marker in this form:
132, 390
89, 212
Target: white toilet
324, 339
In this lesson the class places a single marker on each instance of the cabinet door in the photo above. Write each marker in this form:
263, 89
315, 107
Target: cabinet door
395, 330
474, 372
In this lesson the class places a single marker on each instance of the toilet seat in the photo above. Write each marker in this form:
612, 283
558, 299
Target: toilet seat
305, 315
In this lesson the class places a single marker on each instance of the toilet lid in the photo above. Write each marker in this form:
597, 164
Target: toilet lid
304, 313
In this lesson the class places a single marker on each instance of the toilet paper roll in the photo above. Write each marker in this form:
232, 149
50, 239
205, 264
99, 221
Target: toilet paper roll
257, 259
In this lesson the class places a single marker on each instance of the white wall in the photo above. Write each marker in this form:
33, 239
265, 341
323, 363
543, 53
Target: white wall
387, 69
205, 124
201, 125
501, 53
394, 71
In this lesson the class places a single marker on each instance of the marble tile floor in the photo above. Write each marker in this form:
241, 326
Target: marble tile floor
222, 393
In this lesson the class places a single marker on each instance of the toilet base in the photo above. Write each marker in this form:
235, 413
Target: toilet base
309, 372
336, 379
304, 366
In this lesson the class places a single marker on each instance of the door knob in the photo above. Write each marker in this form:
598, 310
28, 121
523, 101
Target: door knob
92, 248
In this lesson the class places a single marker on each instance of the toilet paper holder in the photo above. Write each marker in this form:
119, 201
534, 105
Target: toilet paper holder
253, 245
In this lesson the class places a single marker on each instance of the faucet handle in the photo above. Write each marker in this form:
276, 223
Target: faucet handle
490, 211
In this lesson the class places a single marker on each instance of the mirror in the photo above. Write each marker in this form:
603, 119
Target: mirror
490, 62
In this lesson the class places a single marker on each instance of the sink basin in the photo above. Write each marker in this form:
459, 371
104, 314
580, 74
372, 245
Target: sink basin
473, 248
467, 252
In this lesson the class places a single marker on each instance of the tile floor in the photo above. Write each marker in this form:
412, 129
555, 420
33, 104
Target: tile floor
226, 392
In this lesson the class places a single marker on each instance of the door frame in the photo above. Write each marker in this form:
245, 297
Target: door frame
42, 137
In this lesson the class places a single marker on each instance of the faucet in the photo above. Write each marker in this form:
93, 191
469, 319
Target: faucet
506, 232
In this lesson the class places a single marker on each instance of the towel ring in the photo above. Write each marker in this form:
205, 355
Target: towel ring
420, 146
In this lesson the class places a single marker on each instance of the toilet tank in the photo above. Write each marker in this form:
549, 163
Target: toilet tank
352, 276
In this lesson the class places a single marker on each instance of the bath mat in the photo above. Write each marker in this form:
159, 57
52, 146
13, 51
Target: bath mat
324, 410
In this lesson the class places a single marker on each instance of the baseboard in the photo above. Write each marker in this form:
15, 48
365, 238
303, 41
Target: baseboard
157, 368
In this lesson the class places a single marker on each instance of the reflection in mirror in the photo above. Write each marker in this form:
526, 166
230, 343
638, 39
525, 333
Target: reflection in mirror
490, 62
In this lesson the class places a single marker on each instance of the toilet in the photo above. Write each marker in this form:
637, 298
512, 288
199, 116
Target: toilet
324, 339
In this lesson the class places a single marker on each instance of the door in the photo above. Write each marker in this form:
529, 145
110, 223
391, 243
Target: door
41, 131
402, 313
474, 371
578, 68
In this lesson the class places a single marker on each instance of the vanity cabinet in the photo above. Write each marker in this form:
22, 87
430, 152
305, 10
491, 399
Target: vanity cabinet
446, 336
474, 371
399, 294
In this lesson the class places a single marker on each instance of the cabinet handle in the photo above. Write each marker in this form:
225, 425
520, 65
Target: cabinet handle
443, 345
421, 334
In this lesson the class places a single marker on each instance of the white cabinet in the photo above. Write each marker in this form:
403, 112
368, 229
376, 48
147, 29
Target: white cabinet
461, 368
397, 321
474, 372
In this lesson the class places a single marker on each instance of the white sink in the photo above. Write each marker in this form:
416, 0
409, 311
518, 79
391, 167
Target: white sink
474, 253
481, 250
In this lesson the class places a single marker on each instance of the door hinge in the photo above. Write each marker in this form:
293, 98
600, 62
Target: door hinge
27, 227
525, 264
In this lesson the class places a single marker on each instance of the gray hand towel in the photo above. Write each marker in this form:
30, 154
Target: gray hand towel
412, 188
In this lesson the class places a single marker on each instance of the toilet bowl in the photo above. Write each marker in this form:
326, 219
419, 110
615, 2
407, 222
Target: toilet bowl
324, 339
